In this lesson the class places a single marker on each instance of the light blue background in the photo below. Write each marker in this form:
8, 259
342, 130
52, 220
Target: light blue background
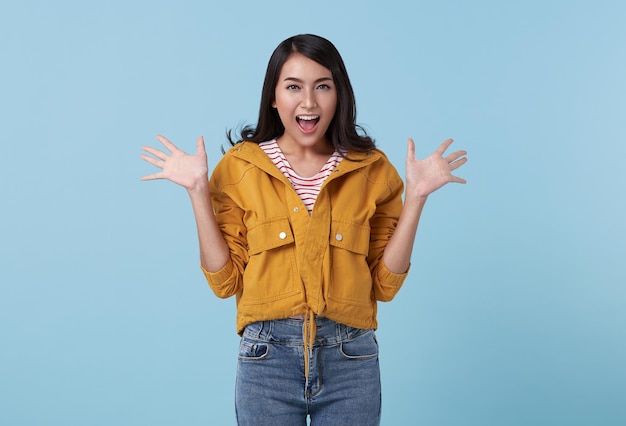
514, 312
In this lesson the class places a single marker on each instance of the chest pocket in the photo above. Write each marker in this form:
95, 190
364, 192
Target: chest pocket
350, 277
270, 274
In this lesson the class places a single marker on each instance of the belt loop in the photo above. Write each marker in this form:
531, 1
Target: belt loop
261, 330
348, 331
270, 324
341, 332
265, 330
258, 329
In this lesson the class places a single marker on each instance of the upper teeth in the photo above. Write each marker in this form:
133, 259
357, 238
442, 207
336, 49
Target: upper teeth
308, 117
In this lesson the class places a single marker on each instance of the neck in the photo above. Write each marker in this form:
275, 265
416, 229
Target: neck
292, 148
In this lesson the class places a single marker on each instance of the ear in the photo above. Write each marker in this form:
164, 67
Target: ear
273, 104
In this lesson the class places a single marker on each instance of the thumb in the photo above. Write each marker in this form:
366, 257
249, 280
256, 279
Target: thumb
410, 153
200, 145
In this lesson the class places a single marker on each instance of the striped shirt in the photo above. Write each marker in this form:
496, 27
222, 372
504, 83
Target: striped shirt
306, 188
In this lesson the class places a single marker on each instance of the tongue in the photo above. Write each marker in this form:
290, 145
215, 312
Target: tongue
307, 125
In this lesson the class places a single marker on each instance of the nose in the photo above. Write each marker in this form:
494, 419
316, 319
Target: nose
308, 99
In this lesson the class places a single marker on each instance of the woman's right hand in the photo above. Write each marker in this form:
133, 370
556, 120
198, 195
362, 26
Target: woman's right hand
189, 171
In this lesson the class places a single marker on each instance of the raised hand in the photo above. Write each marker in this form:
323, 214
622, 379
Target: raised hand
423, 177
186, 170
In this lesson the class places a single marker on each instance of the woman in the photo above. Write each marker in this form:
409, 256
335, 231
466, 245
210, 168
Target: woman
303, 221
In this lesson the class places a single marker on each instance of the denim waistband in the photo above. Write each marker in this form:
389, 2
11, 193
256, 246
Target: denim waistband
290, 331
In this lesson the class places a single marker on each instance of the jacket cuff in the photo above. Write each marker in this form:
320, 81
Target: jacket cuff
215, 279
386, 276
389, 283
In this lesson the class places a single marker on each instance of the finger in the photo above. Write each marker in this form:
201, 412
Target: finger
442, 148
458, 180
455, 156
153, 176
456, 164
153, 161
410, 153
158, 154
169, 145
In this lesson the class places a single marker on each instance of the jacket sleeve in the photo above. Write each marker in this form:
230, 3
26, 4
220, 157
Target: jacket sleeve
382, 226
228, 281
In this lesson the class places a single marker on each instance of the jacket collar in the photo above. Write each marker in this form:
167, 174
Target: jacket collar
251, 152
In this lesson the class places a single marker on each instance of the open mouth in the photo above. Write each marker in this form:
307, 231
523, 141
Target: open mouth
307, 123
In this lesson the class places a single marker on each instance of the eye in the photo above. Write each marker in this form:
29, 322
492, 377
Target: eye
293, 87
323, 87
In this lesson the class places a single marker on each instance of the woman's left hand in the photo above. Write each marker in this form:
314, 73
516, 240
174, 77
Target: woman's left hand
423, 177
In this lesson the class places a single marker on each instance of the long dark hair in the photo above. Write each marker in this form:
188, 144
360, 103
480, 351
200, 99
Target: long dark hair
343, 132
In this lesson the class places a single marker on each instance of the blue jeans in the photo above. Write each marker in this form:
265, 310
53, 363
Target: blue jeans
343, 387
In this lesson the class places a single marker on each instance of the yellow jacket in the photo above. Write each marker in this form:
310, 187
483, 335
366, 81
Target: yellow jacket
286, 262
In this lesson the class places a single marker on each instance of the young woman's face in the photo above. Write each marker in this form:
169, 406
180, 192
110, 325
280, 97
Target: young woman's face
306, 100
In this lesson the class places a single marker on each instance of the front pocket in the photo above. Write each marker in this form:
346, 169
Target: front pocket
252, 351
361, 348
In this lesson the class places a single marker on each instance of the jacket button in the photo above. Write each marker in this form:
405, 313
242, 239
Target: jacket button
295, 209
339, 237
282, 235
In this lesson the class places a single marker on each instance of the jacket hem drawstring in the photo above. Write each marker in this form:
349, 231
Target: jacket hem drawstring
309, 331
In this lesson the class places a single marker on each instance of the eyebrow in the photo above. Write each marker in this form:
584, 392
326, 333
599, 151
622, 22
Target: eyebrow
297, 80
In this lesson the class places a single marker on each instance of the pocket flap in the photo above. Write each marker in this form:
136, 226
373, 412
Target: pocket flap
269, 235
350, 236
